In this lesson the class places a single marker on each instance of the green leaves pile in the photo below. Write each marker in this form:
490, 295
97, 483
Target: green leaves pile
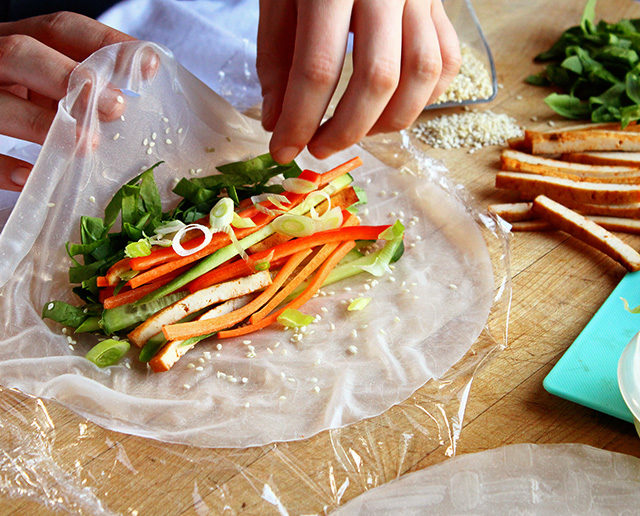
139, 205
599, 68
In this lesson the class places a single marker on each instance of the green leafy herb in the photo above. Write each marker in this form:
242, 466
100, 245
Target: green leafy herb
597, 67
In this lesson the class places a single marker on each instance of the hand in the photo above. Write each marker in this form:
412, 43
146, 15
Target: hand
405, 54
37, 55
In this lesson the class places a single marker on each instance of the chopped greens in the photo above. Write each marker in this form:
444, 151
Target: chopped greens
597, 67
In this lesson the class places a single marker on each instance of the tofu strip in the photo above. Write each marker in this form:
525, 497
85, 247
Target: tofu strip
586, 230
197, 301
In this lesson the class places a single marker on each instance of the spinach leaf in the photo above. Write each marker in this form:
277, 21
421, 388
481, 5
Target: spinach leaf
568, 106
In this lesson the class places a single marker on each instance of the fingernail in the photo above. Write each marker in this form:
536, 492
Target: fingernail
19, 175
150, 64
286, 154
321, 152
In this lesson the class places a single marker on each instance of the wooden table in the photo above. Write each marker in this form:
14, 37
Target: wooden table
558, 284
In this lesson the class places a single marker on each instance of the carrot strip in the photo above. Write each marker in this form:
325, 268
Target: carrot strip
181, 331
238, 268
307, 294
340, 170
113, 274
306, 271
102, 281
129, 296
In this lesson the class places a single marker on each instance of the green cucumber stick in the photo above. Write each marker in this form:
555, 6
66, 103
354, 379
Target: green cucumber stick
226, 253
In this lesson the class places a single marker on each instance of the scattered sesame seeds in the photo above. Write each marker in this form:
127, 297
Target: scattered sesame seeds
51, 204
145, 142
154, 135
244, 379
392, 279
354, 334
282, 398
471, 130
180, 129
316, 389
397, 319
190, 366
247, 404
116, 136
452, 286
165, 119
352, 350
551, 123
207, 355
324, 309
199, 368
92, 199
168, 141
276, 344
149, 151
534, 118
167, 130
201, 360
473, 81
219, 347
186, 386
246, 342
332, 326
122, 117
119, 99
152, 144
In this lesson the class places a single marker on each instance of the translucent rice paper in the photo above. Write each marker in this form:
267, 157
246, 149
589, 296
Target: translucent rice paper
421, 320
54, 457
518, 479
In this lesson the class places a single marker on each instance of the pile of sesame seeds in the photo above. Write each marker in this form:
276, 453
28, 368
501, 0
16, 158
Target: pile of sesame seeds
473, 81
471, 129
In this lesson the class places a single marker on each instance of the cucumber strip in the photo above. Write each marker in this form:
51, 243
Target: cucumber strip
124, 316
226, 253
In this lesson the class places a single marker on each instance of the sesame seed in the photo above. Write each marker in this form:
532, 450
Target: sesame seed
152, 144
190, 366
534, 118
119, 99
149, 151
116, 136
397, 319
276, 344
453, 286
352, 350
199, 368
316, 389
269, 350
64, 330
71, 347
201, 360
145, 142
283, 398
179, 131
245, 379
165, 119
392, 279
354, 334
122, 117
324, 309
168, 141
167, 130
247, 404
186, 386
154, 136
219, 347
207, 355
220, 374
51, 204
246, 342
92, 199
472, 82
332, 327
50, 306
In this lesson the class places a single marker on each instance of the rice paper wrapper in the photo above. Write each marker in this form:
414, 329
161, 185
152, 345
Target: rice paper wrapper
350, 365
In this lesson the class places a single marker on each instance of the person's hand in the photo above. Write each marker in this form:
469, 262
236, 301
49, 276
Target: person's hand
37, 55
405, 54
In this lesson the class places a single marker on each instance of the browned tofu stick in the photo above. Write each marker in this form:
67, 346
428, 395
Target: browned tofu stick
522, 162
531, 225
631, 210
588, 231
563, 141
512, 212
566, 190
628, 159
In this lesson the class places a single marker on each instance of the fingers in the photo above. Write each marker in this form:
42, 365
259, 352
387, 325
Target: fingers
23, 119
377, 26
13, 173
321, 38
421, 68
276, 39
26, 61
69, 33
449, 48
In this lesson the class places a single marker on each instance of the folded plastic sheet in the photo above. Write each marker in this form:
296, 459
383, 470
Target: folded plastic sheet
517, 479
428, 324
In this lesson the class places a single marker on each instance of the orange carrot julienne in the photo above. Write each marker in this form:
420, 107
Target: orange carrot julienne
306, 271
235, 269
205, 326
102, 281
105, 293
307, 294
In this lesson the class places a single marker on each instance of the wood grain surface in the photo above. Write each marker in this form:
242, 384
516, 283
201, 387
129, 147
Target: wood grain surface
558, 284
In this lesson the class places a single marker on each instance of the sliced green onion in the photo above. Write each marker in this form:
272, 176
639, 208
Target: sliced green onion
275, 199
127, 275
169, 227
358, 303
221, 215
137, 249
262, 266
108, 352
294, 318
234, 240
299, 186
393, 232
177, 245
294, 225
332, 219
242, 222
312, 204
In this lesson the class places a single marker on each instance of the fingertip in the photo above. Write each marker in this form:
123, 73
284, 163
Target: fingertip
284, 155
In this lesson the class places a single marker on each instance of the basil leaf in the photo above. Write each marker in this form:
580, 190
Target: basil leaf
91, 229
588, 17
537, 80
632, 87
568, 106
80, 273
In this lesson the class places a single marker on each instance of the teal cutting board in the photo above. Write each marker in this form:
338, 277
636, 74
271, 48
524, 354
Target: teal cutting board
588, 371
